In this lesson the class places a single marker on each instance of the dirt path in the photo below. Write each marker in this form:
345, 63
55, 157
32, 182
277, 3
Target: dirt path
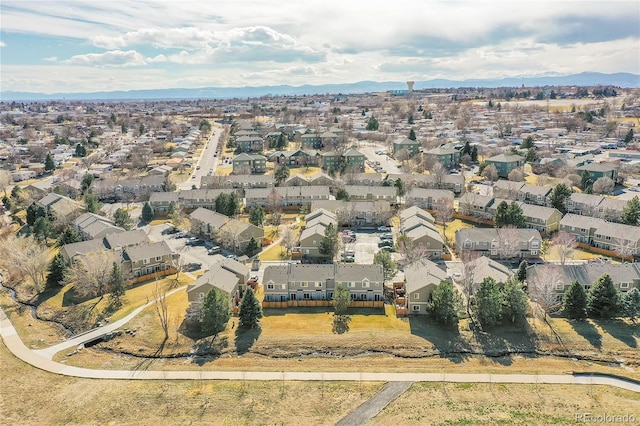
369, 409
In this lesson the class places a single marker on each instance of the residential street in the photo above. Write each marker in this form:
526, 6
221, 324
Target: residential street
207, 162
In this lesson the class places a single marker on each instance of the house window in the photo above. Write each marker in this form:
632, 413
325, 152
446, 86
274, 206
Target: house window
270, 287
365, 284
534, 252
494, 252
201, 296
560, 286
416, 295
415, 308
158, 258
307, 296
145, 261
351, 284
535, 244
624, 285
318, 285
304, 284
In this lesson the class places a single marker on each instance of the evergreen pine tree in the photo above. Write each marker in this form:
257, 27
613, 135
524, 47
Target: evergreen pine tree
445, 304
489, 301
147, 212
501, 218
68, 236
522, 271
603, 300
250, 310
57, 269
515, 303
215, 312
49, 165
116, 284
575, 302
631, 212
631, 304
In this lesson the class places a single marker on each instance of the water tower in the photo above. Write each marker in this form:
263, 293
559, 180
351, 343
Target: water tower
410, 85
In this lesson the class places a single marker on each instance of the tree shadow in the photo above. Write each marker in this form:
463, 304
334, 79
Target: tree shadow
504, 341
146, 362
588, 331
446, 340
340, 324
623, 331
245, 338
208, 349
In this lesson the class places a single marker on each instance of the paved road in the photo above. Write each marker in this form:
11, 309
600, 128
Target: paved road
207, 160
369, 409
42, 360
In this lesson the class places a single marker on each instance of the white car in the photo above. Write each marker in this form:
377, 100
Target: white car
384, 229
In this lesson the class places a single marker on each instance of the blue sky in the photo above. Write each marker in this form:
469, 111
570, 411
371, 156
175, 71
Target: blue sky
85, 46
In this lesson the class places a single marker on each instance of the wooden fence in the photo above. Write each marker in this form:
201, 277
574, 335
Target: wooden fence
152, 275
604, 252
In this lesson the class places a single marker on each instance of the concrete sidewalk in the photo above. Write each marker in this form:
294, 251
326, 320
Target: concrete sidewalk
83, 338
40, 359
370, 408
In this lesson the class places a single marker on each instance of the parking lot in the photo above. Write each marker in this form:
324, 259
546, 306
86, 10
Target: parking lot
365, 246
188, 253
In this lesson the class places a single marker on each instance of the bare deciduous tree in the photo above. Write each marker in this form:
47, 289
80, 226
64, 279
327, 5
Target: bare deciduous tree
516, 175
444, 213
564, 242
161, 307
603, 185
438, 171
5, 180
490, 173
508, 242
542, 286
467, 272
90, 274
287, 240
27, 257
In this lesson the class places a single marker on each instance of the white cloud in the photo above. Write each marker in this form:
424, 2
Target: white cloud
114, 58
3, 44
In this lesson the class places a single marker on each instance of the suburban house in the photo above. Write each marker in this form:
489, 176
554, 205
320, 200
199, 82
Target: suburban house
357, 213
128, 189
228, 232
596, 232
61, 208
311, 141
415, 211
237, 182
368, 179
475, 205
544, 219
226, 275
147, 259
530, 194
599, 170
483, 267
298, 284
82, 248
625, 276
412, 147
331, 160
453, 182
354, 159
423, 233
448, 157
247, 143
372, 193
245, 164
505, 163
298, 158
428, 198
91, 226
505, 243
318, 179
314, 231
124, 239
584, 204
420, 279
287, 196
329, 138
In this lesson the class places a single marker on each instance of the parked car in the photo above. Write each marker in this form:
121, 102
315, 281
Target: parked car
348, 259
181, 235
385, 243
214, 250
194, 266
386, 237
384, 229
231, 256
193, 241
170, 230
390, 249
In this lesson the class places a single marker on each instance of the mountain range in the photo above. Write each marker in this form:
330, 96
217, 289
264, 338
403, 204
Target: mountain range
624, 80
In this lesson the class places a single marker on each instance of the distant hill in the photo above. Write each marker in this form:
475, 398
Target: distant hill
625, 80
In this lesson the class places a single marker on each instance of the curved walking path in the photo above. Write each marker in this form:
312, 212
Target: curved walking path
42, 359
